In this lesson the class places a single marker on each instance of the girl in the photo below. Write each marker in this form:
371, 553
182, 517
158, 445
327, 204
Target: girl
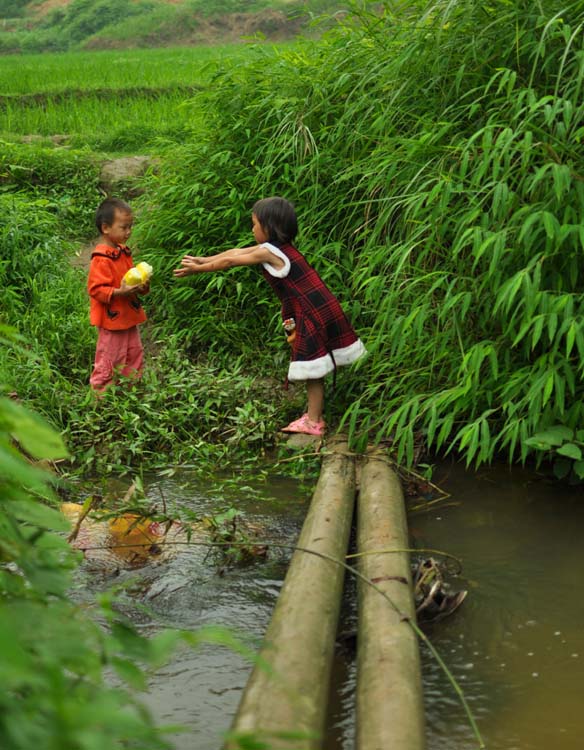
320, 335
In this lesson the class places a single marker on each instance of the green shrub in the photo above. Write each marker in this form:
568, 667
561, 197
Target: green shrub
82, 18
11, 8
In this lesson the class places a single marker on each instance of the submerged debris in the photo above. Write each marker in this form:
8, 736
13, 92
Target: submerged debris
433, 600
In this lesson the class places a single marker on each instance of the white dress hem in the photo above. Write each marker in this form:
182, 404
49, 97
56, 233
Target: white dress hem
313, 369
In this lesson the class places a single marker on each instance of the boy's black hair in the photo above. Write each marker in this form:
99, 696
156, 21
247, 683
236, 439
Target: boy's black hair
278, 219
106, 211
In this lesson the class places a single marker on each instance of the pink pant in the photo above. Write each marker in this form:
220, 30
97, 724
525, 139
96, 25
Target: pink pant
117, 353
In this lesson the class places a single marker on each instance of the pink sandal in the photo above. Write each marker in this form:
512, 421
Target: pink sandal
306, 426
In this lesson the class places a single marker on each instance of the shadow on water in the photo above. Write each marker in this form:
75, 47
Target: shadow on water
516, 646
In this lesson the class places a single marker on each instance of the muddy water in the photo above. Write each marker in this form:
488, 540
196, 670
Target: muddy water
516, 645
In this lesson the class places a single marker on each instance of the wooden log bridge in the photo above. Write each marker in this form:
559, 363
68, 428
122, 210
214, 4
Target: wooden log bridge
285, 701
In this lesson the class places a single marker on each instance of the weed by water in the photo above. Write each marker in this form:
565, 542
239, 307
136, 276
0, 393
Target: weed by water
207, 416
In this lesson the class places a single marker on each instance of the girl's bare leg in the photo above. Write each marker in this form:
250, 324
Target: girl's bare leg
315, 395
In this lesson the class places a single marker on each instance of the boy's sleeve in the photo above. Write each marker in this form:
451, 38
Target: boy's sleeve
100, 282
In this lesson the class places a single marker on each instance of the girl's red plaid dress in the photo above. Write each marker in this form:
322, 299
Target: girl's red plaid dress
324, 337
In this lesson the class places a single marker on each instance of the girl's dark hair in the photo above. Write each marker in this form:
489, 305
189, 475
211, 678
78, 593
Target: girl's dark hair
278, 219
106, 211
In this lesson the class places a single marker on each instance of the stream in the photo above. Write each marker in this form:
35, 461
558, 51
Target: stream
515, 646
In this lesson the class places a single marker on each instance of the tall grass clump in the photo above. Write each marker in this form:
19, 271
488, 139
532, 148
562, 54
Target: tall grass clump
436, 161
44, 299
47, 202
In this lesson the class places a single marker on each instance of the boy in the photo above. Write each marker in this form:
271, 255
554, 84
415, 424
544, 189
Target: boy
114, 306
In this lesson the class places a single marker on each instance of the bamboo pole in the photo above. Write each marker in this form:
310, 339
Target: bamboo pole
390, 712
285, 699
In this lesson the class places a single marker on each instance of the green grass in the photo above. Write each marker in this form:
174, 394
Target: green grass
129, 123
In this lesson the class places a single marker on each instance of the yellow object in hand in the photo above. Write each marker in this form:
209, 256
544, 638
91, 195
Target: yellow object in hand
133, 277
140, 274
146, 271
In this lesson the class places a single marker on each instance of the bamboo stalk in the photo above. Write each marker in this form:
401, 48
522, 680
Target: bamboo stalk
390, 711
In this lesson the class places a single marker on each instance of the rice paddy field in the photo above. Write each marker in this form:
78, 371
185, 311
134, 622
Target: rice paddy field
114, 101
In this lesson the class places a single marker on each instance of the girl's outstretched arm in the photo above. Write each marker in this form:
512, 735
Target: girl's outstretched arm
225, 254
245, 256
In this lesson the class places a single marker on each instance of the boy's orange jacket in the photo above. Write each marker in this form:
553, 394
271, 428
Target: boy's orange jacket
107, 269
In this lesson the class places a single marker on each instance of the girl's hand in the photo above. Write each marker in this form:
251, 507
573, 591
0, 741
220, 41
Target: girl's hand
189, 265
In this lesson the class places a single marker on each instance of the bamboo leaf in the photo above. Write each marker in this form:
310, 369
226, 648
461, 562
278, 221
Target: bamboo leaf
548, 388
551, 225
537, 330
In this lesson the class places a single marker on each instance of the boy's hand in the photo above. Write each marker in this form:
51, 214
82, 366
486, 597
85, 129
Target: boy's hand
126, 290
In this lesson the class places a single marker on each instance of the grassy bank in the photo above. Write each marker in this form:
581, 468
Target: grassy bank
188, 410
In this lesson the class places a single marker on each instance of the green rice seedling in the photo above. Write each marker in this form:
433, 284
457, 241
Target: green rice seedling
134, 122
145, 93
119, 69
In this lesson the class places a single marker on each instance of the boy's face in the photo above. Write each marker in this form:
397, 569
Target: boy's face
119, 231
